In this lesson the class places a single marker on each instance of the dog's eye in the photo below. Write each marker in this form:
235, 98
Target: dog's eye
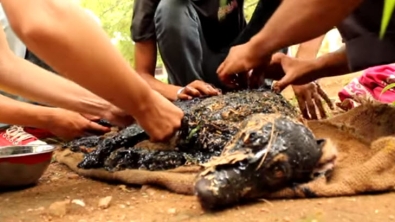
250, 137
317, 174
253, 135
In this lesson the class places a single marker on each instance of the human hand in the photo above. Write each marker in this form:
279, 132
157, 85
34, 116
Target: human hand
197, 88
239, 62
114, 115
69, 125
308, 97
291, 70
118, 117
159, 117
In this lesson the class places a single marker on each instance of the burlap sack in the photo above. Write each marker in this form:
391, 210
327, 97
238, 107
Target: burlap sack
366, 161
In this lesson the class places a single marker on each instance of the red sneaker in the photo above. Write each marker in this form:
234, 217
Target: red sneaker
39, 133
15, 135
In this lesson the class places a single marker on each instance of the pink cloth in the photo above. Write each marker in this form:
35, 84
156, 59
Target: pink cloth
370, 85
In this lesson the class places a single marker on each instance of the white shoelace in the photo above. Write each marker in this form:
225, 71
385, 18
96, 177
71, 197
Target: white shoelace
16, 134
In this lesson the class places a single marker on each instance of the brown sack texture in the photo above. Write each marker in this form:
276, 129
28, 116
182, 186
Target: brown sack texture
363, 136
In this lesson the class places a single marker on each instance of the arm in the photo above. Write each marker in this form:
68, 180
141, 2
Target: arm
71, 42
289, 29
23, 78
331, 64
144, 36
60, 122
28, 114
145, 60
309, 95
310, 48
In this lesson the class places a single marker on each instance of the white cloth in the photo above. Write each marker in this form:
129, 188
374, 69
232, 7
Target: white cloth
15, 44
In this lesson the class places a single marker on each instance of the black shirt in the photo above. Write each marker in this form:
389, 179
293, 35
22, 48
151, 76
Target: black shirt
360, 32
221, 20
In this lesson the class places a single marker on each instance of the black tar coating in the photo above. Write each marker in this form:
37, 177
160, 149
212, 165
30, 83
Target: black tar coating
292, 156
126, 138
204, 132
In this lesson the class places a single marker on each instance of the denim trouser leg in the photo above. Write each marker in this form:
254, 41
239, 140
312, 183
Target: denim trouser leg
178, 36
263, 11
182, 46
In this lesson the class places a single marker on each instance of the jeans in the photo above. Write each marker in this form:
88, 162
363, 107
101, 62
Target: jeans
182, 46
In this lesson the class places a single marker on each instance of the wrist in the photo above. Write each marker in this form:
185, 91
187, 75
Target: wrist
46, 119
180, 90
143, 105
263, 45
318, 67
96, 107
172, 92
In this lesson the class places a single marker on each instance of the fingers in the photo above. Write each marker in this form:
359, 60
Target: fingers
228, 73
325, 97
206, 89
309, 100
256, 78
227, 68
283, 83
319, 105
191, 91
90, 117
302, 107
184, 96
307, 105
160, 137
277, 57
231, 80
220, 71
311, 108
96, 128
225, 74
197, 89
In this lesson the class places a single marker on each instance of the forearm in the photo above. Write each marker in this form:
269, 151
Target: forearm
70, 41
331, 64
314, 18
145, 63
23, 78
27, 114
309, 49
166, 90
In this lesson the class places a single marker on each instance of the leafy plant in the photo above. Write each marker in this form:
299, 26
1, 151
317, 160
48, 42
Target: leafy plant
389, 6
388, 87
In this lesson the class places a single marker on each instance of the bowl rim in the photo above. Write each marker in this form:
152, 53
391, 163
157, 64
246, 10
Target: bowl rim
50, 149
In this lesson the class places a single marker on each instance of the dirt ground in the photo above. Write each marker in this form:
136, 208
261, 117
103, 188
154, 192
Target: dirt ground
148, 204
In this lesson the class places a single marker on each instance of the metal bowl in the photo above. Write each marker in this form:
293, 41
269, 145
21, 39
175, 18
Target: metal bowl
23, 165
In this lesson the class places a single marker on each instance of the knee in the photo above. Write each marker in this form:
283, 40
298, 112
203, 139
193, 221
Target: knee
170, 15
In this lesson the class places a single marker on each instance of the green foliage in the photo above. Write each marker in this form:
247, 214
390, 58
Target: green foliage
389, 6
249, 7
388, 87
116, 17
